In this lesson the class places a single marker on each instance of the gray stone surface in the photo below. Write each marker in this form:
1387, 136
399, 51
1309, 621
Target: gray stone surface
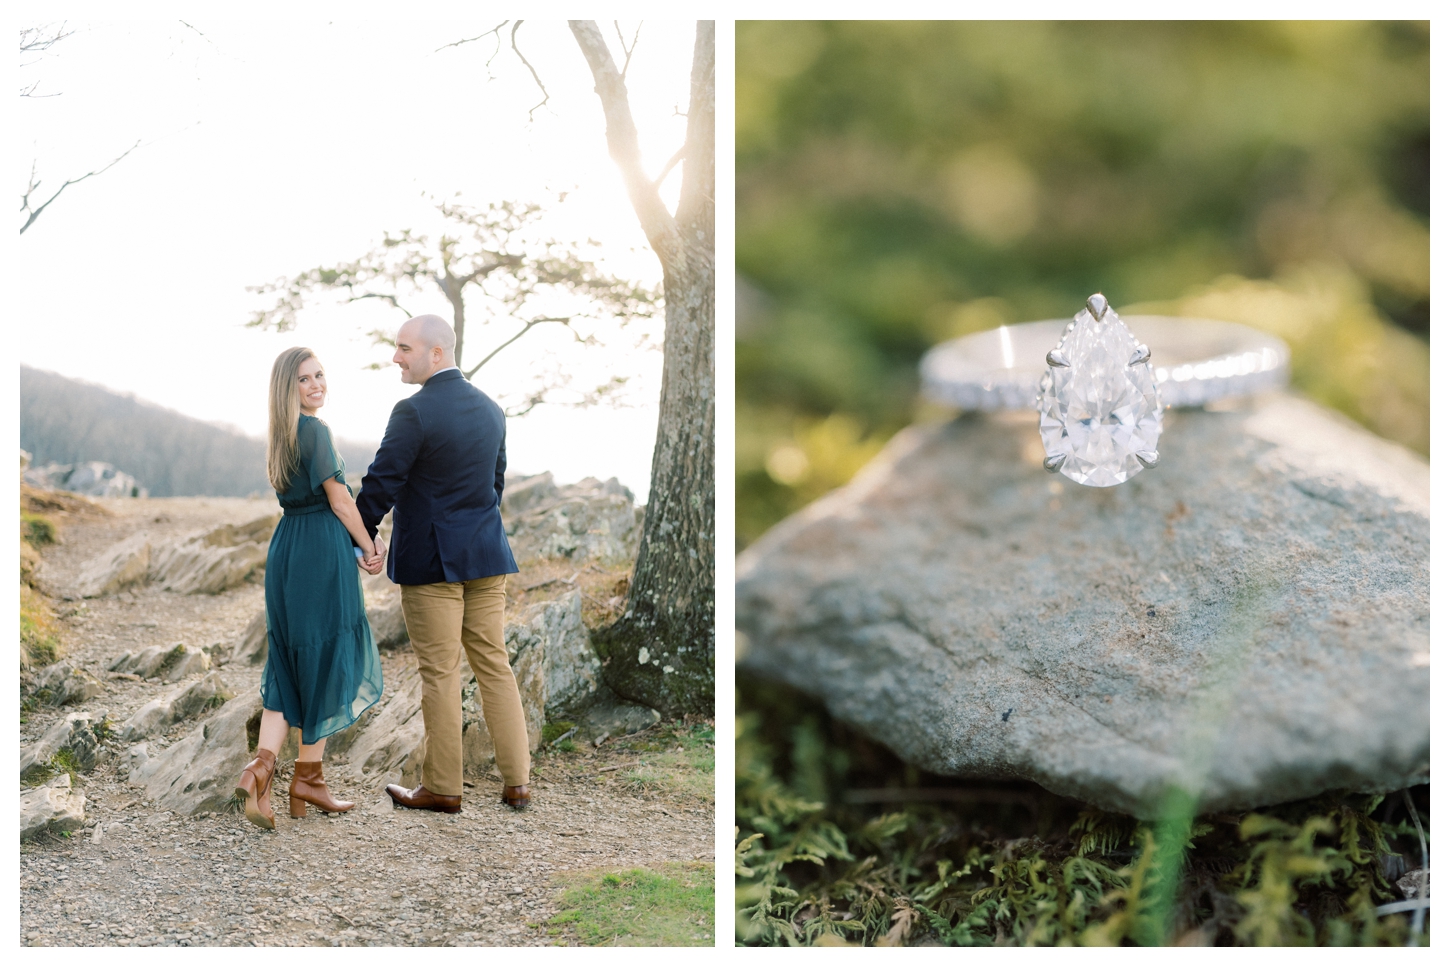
588, 520
123, 565
74, 734
183, 703
1248, 623
386, 619
54, 807
198, 773
65, 684
607, 714
215, 560
251, 645
170, 664
571, 669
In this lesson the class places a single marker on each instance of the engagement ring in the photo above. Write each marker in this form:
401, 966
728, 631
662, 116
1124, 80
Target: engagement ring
1102, 396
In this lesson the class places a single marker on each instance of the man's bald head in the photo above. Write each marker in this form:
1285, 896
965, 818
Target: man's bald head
424, 346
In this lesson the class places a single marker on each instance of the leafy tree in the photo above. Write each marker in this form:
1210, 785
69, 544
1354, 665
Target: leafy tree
496, 259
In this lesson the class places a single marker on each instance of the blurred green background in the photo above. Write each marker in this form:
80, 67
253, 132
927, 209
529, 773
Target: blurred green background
902, 183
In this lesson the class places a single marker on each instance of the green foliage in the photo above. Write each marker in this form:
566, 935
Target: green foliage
1019, 866
64, 761
37, 530
552, 730
39, 631
103, 729
673, 906
900, 183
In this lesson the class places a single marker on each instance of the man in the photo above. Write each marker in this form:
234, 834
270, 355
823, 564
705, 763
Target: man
440, 468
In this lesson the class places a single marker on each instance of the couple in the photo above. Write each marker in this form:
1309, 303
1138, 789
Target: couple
440, 469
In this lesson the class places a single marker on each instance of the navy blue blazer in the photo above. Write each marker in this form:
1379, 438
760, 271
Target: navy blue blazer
440, 468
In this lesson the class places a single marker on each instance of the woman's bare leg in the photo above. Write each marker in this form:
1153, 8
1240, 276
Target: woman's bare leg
273, 732
311, 753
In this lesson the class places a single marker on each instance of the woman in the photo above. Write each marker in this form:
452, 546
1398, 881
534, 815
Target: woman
322, 668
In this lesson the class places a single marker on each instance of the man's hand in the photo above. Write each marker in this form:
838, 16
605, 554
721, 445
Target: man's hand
380, 548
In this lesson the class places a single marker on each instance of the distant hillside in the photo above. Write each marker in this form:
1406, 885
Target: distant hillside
63, 420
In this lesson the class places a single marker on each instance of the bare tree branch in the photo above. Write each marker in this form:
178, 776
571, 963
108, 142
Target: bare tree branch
627, 48
199, 34
518, 335
34, 213
623, 140
514, 40
38, 40
468, 40
670, 166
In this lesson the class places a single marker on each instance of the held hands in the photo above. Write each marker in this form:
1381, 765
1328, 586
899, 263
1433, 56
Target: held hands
373, 563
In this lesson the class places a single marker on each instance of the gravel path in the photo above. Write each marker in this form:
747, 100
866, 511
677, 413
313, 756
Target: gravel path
375, 875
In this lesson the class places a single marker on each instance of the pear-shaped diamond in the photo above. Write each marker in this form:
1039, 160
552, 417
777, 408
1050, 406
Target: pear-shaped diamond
1101, 414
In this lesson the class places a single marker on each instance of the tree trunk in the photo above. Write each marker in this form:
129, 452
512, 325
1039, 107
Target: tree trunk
662, 651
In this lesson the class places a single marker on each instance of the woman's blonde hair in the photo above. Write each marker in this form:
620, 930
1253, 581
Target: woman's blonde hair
284, 407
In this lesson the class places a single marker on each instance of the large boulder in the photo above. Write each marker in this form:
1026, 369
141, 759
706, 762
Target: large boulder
571, 666
1245, 625
198, 772
54, 807
251, 645
386, 619
92, 478
169, 663
186, 702
588, 520
120, 566
75, 736
212, 562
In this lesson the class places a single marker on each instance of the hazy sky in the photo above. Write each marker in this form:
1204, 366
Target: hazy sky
273, 147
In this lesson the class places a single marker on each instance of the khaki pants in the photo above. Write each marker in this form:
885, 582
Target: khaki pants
443, 621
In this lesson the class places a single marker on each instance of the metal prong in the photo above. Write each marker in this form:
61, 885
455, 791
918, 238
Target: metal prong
1148, 458
1140, 355
1097, 304
1055, 358
1053, 462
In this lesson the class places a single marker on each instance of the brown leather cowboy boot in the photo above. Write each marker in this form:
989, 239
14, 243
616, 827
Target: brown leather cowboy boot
308, 787
255, 787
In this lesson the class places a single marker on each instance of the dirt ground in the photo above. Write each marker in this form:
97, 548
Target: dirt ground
372, 876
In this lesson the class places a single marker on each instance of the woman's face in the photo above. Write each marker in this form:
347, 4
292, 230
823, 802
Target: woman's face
312, 385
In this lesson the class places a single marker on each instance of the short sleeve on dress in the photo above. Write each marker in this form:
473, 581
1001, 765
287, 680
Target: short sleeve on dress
317, 456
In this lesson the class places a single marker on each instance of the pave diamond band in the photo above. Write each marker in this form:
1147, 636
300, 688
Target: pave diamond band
1102, 394
1196, 361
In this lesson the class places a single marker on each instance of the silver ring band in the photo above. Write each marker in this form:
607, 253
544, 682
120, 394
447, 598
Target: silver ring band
1196, 361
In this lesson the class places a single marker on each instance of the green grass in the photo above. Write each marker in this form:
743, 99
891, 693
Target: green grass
39, 638
677, 761
38, 530
980, 864
672, 906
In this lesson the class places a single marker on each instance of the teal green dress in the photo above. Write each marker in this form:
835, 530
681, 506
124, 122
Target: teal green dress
322, 668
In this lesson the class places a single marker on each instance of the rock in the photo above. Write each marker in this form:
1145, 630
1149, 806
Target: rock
386, 619
65, 684
197, 773
1249, 623
75, 735
571, 666
92, 478
169, 664
251, 647
53, 807
588, 520
120, 566
183, 703
1412, 884
381, 746
216, 560
608, 714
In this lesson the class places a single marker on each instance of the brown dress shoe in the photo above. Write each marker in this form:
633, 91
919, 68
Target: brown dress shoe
255, 788
516, 796
308, 787
421, 798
